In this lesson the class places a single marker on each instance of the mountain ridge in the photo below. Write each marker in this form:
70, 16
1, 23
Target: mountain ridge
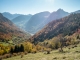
21, 20
65, 26
9, 15
8, 30
32, 25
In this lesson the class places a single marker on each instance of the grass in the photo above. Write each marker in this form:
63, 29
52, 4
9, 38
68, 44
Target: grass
69, 54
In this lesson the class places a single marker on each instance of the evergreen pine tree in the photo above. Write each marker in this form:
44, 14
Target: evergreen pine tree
22, 48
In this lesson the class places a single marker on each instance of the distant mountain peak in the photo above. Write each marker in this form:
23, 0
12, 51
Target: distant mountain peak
9, 15
6, 13
60, 10
1, 15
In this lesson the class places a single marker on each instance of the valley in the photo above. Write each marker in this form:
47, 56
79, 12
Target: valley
59, 37
39, 30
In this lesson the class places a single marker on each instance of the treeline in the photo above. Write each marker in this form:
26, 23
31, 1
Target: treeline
59, 41
17, 49
24, 47
27, 47
54, 43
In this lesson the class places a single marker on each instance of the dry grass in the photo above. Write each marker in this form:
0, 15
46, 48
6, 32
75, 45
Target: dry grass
69, 54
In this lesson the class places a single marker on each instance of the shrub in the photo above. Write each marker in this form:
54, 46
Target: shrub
72, 46
14, 54
68, 48
75, 46
1, 57
55, 58
48, 52
45, 53
25, 53
7, 56
22, 54
77, 51
64, 57
39, 48
28, 47
1, 52
19, 53
60, 50
34, 50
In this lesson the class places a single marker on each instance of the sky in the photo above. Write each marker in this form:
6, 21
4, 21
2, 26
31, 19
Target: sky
36, 6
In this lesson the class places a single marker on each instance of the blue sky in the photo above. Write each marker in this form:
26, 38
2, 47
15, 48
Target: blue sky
36, 6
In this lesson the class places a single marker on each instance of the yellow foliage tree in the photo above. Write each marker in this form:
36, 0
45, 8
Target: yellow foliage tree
28, 47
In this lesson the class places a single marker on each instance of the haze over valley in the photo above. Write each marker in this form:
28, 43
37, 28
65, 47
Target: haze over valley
39, 30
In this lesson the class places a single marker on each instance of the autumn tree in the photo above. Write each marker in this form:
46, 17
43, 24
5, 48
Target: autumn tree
28, 47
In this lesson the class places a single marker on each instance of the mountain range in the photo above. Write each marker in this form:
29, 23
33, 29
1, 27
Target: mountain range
39, 20
64, 26
8, 31
21, 20
34, 23
9, 15
60, 13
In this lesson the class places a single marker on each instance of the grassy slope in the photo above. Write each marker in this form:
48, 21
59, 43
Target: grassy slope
55, 55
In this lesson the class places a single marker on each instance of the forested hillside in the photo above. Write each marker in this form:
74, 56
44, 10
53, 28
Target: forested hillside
65, 26
8, 31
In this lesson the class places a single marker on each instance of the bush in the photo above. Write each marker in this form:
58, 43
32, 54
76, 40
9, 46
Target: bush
72, 46
1, 57
64, 57
55, 58
14, 54
34, 50
45, 53
60, 50
75, 46
68, 48
22, 54
48, 52
19, 53
25, 53
7, 56
28, 47
77, 51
